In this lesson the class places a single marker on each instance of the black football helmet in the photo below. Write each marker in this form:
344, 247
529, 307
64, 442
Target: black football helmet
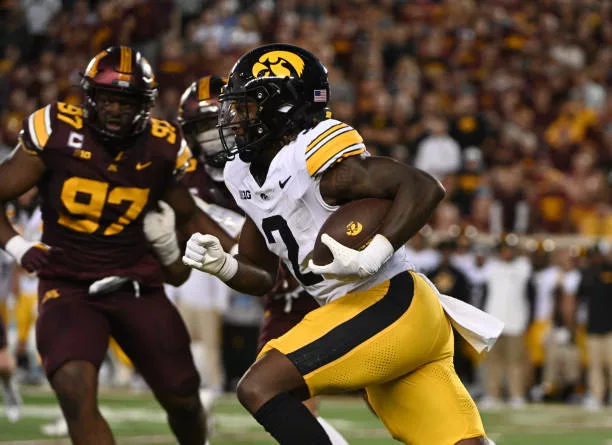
198, 114
272, 91
120, 91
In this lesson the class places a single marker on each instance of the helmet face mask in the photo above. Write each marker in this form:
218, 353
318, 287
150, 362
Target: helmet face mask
198, 111
116, 112
241, 129
120, 91
273, 91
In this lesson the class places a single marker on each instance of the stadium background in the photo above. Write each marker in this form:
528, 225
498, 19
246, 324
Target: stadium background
507, 102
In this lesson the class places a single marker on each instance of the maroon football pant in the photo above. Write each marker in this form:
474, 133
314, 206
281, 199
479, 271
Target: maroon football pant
277, 321
72, 325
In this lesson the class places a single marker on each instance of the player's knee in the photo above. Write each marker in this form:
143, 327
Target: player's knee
181, 406
75, 386
253, 392
7, 364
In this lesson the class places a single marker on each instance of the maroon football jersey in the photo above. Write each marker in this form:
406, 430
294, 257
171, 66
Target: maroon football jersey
93, 201
199, 183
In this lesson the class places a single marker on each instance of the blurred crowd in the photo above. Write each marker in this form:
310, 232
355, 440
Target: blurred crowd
555, 304
507, 102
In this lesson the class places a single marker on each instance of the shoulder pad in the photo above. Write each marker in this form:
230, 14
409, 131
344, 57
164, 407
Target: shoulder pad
331, 141
37, 130
40, 125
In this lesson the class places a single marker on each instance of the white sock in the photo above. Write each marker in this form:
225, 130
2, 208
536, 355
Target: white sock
335, 437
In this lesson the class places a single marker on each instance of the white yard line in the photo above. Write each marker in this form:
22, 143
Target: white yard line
238, 426
136, 440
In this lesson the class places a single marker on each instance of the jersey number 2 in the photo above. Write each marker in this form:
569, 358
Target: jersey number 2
87, 197
277, 223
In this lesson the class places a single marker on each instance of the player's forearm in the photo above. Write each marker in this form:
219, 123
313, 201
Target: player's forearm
176, 273
251, 279
414, 193
413, 205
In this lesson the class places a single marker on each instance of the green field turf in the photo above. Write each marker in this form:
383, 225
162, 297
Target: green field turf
136, 419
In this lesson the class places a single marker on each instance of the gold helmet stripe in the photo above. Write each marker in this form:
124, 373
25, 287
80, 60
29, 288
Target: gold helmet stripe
125, 66
204, 88
92, 69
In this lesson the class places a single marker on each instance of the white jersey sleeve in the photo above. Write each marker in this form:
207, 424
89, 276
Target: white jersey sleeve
332, 142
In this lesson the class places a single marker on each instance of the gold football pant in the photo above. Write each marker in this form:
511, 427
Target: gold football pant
395, 341
25, 316
118, 353
536, 339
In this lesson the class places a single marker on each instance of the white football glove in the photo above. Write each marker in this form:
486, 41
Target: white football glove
159, 229
205, 253
354, 263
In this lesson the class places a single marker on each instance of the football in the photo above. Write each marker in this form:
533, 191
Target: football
354, 224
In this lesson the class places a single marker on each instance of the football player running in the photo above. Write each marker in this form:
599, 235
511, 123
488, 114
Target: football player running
10, 393
381, 326
99, 169
288, 303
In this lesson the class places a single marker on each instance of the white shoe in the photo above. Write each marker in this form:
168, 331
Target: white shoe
55, 429
490, 403
591, 404
517, 403
208, 398
12, 401
537, 393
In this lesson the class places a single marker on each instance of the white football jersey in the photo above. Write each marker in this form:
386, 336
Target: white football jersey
7, 264
32, 228
289, 210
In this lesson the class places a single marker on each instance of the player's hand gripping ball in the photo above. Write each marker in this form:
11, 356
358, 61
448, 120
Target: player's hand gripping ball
349, 244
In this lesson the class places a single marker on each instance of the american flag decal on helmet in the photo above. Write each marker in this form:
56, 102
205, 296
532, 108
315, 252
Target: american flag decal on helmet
320, 95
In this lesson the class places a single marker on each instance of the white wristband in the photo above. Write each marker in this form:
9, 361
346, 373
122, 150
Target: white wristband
17, 246
168, 251
381, 248
229, 268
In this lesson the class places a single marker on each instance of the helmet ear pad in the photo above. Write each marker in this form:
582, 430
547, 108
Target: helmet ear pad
280, 106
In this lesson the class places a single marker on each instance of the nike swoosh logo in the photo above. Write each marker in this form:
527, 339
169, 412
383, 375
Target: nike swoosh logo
140, 166
283, 183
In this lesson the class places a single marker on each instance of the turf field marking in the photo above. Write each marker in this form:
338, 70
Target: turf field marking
125, 440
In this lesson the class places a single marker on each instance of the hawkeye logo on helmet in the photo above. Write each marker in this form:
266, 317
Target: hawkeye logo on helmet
279, 64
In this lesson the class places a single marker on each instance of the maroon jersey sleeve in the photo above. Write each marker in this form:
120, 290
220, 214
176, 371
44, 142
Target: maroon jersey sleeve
199, 183
38, 128
94, 194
